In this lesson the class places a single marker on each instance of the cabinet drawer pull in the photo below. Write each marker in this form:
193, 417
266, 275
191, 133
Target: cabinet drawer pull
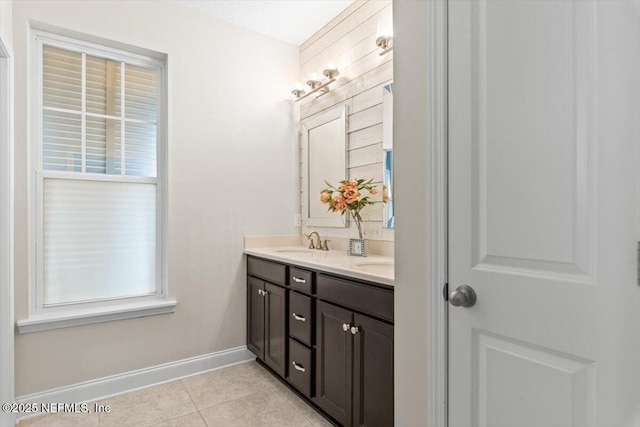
298, 367
300, 318
298, 280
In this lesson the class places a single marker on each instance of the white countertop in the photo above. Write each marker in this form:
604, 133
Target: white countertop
373, 268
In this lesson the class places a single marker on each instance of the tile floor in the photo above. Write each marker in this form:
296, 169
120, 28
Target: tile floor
243, 395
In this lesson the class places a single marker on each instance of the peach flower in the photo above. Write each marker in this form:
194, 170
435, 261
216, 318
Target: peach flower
350, 195
325, 197
373, 190
339, 203
346, 185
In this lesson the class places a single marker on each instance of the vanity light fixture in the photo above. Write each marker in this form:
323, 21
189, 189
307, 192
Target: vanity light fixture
317, 85
298, 91
385, 35
331, 71
313, 81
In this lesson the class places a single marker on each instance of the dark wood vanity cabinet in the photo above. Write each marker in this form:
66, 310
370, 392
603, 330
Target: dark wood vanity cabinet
354, 373
267, 318
355, 360
255, 316
275, 331
372, 373
330, 337
335, 361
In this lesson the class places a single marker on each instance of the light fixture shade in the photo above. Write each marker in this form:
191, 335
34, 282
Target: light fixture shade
331, 71
314, 81
385, 27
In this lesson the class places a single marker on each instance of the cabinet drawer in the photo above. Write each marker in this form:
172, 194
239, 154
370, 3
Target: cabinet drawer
366, 299
300, 367
300, 317
301, 280
267, 270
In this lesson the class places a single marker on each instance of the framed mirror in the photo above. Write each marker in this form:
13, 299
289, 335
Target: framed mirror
323, 157
388, 218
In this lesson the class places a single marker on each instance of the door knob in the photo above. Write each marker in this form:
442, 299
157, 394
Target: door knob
463, 296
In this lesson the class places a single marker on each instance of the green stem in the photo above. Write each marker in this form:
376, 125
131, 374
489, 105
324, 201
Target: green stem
357, 221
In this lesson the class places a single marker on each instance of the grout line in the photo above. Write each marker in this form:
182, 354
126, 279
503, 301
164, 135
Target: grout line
232, 400
229, 401
182, 416
189, 394
203, 420
290, 396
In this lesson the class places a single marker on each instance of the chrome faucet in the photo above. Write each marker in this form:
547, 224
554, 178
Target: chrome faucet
319, 245
310, 237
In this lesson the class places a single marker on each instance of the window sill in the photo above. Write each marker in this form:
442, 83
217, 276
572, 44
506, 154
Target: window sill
67, 319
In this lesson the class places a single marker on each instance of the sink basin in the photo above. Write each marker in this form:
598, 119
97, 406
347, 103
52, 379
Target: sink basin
384, 268
293, 250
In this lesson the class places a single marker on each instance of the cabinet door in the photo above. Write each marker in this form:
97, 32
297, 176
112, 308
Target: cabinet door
373, 373
334, 361
275, 340
255, 316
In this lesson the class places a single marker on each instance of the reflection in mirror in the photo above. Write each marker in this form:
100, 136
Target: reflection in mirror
387, 157
324, 148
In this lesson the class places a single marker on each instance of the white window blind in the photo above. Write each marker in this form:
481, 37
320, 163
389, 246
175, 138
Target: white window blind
100, 224
83, 117
99, 241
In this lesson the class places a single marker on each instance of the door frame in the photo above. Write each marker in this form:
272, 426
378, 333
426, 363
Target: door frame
7, 380
437, 202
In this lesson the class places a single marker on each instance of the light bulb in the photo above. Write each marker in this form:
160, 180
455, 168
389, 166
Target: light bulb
314, 77
331, 65
385, 27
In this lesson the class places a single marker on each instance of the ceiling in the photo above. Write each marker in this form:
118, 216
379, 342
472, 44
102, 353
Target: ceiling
292, 21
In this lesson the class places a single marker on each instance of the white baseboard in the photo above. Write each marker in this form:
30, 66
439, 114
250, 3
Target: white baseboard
141, 378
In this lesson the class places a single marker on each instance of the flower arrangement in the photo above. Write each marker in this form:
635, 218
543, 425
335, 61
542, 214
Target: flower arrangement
348, 197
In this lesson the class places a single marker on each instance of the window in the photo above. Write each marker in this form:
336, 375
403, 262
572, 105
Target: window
99, 180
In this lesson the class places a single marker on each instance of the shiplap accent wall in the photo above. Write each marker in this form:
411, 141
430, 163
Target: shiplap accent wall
350, 41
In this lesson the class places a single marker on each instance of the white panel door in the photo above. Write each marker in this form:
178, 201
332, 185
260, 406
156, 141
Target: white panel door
544, 138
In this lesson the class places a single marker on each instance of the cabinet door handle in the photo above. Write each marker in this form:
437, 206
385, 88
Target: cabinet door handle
260, 291
355, 330
345, 327
298, 367
300, 318
298, 280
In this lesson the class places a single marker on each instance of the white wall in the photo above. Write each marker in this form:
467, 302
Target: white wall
6, 204
6, 20
231, 173
411, 175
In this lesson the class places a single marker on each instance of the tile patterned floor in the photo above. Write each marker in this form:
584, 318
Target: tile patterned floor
243, 395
